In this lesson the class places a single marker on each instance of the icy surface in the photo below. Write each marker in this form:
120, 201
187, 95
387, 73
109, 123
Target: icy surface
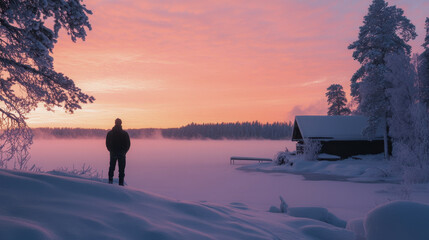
44, 206
200, 171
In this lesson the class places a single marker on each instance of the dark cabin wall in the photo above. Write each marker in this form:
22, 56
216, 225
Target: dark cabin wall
346, 149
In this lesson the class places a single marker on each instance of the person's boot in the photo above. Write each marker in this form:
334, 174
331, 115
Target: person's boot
121, 182
110, 181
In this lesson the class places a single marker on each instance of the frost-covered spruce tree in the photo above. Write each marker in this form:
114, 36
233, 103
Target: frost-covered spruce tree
337, 100
28, 32
423, 69
409, 123
385, 30
402, 95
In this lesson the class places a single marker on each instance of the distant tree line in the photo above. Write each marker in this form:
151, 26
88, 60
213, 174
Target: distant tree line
89, 132
245, 130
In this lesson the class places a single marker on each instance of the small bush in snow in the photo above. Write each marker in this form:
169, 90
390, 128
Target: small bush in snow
86, 171
282, 157
311, 149
411, 152
416, 174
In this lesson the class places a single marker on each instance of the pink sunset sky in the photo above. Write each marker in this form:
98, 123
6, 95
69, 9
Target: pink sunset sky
169, 63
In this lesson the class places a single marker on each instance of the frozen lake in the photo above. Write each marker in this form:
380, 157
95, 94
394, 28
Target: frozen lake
198, 170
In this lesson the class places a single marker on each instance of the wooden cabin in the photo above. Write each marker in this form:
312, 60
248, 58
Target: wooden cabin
339, 135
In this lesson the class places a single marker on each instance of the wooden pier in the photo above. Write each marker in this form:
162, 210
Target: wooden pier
232, 159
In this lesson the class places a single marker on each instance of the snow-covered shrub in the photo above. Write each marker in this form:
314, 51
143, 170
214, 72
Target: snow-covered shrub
282, 157
86, 171
22, 157
411, 152
35, 169
311, 149
15, 141
411, 162
416, 174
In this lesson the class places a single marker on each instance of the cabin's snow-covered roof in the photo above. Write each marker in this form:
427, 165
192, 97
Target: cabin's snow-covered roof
331, 128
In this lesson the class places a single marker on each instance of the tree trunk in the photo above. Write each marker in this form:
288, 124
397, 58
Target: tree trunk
386, 146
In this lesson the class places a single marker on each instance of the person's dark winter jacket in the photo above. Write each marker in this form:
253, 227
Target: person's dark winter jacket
117, 140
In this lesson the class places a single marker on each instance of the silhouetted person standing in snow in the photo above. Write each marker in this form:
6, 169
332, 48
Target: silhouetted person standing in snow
118, 144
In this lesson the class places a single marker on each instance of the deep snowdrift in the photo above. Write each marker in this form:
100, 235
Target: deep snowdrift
43, 206
396, 220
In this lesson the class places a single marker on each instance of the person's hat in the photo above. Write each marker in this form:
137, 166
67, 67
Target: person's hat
118, 121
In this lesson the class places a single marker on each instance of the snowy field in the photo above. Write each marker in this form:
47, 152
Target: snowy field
42, 206
188, 190
45, 206
200, 171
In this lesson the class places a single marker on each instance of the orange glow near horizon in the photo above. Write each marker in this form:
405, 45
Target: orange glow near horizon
170, 63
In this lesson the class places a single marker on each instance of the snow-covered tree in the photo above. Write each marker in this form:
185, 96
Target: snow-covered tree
337, 100
28, 32
409, 122
423, 69
402, 95
385, 30
426, 43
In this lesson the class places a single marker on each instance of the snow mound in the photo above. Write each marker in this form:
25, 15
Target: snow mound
328, 233
397, 221
317, 213
43, 206
332, 229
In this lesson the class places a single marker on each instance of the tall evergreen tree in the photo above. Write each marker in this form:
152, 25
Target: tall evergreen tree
423, 69
426, 43
337, 100
385, 30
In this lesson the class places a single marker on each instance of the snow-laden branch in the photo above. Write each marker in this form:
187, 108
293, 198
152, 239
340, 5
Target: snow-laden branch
28, 33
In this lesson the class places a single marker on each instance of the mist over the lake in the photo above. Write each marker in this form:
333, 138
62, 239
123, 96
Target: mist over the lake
199, 170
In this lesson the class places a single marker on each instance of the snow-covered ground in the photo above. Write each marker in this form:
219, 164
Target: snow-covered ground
362, 168
44, 206
198, 173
